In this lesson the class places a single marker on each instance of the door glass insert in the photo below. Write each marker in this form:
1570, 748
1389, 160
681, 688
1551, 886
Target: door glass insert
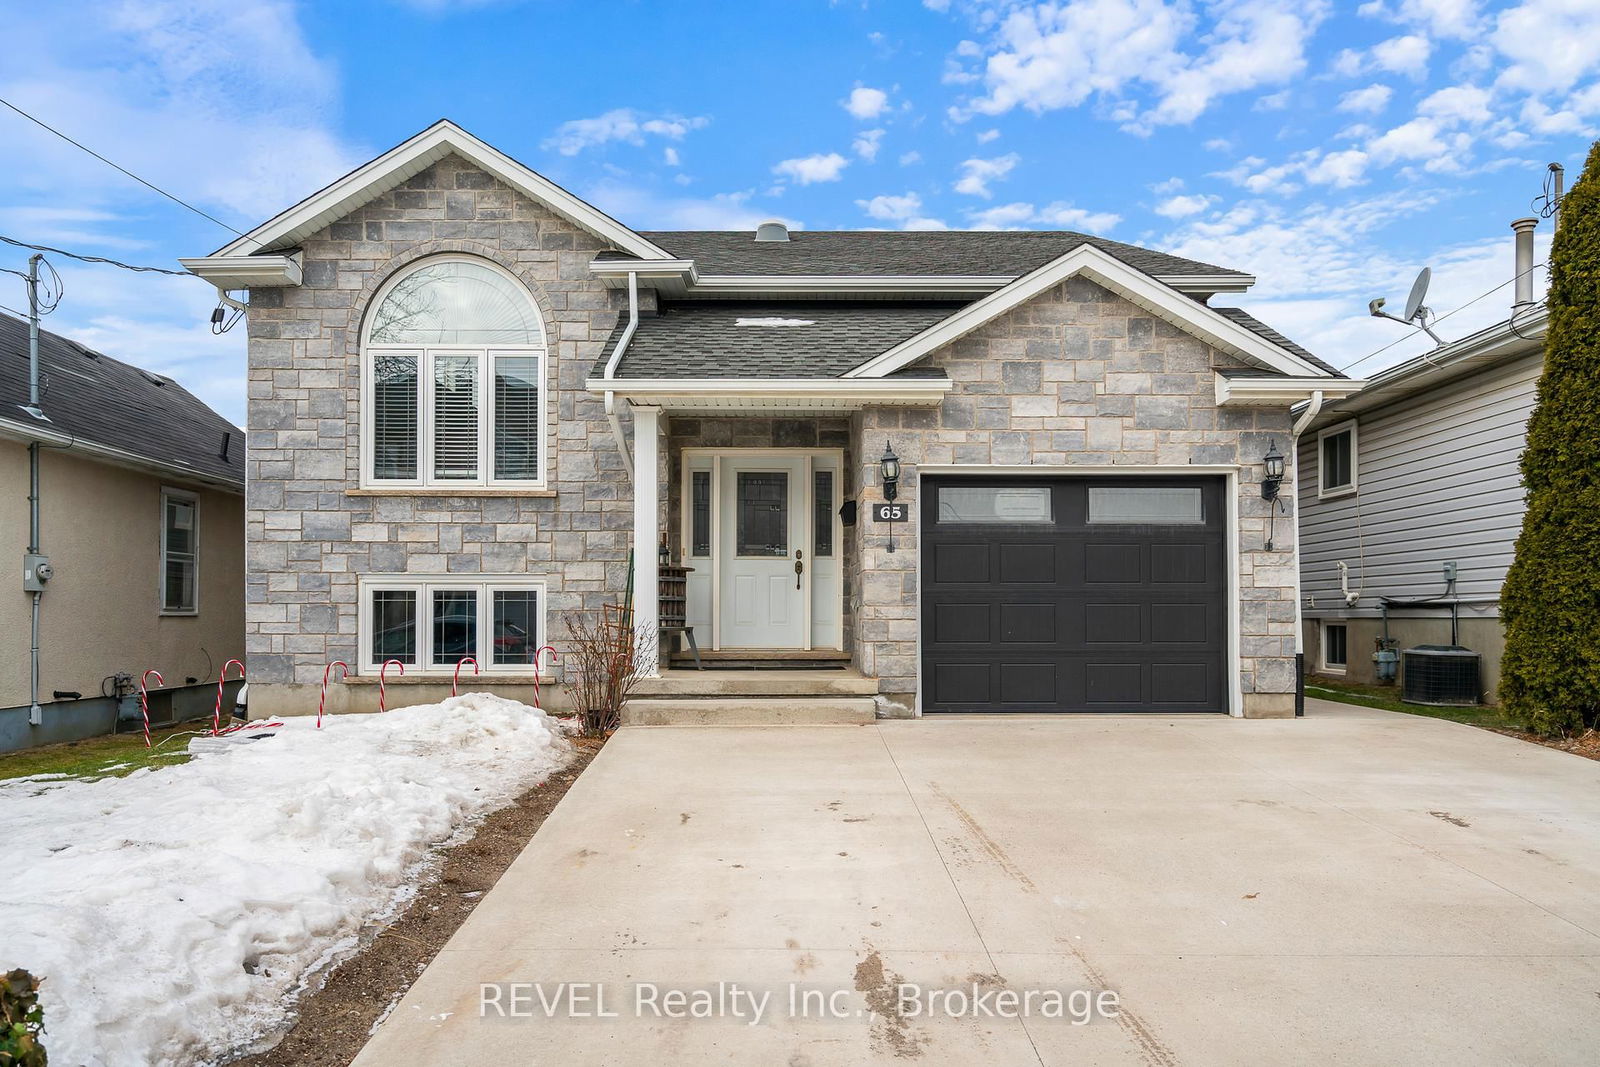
700, 514
822, 512
995, 504
762, 528
1146, 505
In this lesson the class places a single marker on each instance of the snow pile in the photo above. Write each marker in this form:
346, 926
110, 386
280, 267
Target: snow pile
171, 911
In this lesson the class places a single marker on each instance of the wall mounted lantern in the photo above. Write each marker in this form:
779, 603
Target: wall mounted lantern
1271, 481
891, 473
1271, 472
889, 511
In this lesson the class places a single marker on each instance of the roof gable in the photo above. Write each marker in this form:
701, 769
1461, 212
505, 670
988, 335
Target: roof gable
1199, 320
371, 180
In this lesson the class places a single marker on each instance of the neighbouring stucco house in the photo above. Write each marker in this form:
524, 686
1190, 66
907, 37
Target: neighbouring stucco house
472, 394
1414, 486
141, 517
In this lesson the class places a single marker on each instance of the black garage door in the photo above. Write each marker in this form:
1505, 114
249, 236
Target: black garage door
1073, 594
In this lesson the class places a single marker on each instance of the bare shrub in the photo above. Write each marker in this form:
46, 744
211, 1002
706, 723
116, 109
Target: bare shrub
604, 658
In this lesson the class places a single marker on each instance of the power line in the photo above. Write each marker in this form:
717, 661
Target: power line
149, 185
95, 259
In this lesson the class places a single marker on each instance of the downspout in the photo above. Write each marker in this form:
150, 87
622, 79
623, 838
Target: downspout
35, 710
611, 372
1313, 409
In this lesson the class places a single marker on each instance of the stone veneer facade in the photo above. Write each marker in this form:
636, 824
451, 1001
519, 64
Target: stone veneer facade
311, 533
1077, 376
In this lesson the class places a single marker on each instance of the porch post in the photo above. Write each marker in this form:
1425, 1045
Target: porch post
646, 531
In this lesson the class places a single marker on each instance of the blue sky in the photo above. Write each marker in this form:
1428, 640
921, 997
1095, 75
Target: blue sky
1330, 149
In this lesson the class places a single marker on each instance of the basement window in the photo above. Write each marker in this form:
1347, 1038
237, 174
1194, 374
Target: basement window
430, 624
1335, 646
180, 553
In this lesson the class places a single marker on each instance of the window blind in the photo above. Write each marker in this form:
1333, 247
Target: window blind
455, 417
394, 415
516, 417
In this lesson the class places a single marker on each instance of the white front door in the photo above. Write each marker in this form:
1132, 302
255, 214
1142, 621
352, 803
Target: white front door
764, 566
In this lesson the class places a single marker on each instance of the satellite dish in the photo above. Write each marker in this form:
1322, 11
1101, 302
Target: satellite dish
1419, 290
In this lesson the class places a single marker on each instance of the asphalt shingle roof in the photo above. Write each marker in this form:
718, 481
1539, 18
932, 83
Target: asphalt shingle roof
1255, 325
744, 339
856, 253
100, 399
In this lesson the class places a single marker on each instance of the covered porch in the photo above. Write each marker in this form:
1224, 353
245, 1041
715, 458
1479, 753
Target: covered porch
751, 488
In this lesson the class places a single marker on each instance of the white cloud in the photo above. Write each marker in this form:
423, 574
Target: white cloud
1056, 55
669, 156
890, 208
1421, 138
1171, 185
1339, 169
865, 103
1406, 55
646, 209
1442, 18
976, 174
619, 124
908, 158
1371, 100
986, 136
807, 170
1458, 103
1181, 206
1272, 102
1551, 43
867, 143
1059, 215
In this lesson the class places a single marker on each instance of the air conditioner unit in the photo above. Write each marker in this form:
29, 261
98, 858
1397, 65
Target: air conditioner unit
1441, 675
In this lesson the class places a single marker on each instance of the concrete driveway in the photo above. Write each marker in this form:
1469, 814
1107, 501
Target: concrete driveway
1355, 887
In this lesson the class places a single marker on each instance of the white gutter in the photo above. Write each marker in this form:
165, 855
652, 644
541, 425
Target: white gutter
18, 430
684, 272
611, 372
247, 272
1300, 424
894, 391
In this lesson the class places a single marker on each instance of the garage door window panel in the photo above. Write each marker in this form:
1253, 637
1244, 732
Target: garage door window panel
1146, 505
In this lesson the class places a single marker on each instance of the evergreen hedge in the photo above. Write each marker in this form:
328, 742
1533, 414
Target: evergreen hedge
1551, 603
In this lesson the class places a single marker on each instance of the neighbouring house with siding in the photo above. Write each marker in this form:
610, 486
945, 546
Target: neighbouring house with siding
474, 398
1412, 499
141, 517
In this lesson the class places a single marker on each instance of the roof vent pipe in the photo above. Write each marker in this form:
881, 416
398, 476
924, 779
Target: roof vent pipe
772, 230
1524, 278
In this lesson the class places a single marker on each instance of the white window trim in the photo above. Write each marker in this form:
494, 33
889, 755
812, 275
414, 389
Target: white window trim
425, 355
1335, 668
184, 495
424, 585
1323, 490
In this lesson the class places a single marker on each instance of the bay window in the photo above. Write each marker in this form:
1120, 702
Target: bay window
429, 624
454, 365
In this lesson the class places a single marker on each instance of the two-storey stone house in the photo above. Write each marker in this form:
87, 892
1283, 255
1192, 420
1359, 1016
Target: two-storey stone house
474, 398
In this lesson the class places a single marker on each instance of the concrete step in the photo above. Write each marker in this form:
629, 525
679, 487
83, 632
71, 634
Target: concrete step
743, 711
777, 683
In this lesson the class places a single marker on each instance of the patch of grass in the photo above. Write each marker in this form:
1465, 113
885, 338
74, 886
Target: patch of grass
102, 757
1387, 698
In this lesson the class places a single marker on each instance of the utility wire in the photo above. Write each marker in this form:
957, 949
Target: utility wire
95, 259
1441, 318
149, 185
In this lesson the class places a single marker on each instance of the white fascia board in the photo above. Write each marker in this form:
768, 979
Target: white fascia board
644, 268
892, 391
1280, 392
28, 431
374, 178
246, 272
1208, 283
872, 284
1103, 269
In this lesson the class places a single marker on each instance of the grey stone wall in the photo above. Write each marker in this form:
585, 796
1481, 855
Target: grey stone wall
1078, 376
310, 534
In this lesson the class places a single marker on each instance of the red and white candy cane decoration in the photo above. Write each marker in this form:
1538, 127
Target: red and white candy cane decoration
344, 672
381, 671
554, 655
144, 701
457, 676
216, 713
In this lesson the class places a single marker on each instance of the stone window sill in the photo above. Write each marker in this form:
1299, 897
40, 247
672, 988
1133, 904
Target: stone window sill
466, 681
464, 491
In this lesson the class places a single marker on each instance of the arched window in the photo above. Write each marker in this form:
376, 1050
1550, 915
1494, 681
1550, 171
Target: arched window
453, 370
